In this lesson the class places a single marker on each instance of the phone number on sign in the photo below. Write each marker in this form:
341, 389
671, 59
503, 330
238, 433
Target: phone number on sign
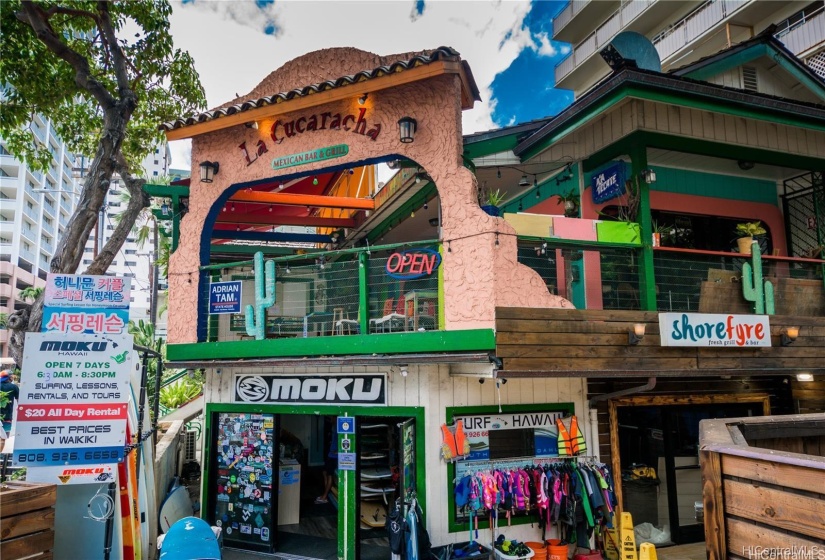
67, 456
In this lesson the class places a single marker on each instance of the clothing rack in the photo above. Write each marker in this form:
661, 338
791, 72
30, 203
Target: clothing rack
515, 462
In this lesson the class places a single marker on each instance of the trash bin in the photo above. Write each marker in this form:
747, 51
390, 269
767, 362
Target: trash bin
641, 498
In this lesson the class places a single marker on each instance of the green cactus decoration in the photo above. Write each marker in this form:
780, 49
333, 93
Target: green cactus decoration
754, 288
264, 297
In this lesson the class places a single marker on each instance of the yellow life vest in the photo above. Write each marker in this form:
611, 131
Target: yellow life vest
570, 443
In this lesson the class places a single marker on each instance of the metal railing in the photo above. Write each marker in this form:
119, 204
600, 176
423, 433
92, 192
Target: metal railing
618, 20
598, 276
695, 24
566, 15
805, 33
326, 293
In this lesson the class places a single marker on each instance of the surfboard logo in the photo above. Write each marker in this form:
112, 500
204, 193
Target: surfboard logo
252, 388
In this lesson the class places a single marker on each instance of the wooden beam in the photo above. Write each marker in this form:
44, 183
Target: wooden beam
432, 70
314, 200
714, 502
275, 220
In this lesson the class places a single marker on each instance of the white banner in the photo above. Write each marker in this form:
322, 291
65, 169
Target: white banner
714, 330
64, 476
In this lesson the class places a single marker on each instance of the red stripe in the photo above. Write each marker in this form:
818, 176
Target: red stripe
62, 412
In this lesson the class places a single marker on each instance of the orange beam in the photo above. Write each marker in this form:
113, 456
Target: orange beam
313, 200
345, 92
275, 220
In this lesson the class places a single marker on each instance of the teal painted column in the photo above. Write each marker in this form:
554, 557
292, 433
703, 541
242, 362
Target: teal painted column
363, 293
348, 521
647, 278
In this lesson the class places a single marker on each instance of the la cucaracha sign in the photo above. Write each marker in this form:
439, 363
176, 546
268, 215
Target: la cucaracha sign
225, 297
608, 183
355, 389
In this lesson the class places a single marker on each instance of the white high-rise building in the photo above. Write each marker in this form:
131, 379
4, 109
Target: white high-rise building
683, 32
132, 261
34, 210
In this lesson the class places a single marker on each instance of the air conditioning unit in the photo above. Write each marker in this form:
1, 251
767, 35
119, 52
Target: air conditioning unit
189, 449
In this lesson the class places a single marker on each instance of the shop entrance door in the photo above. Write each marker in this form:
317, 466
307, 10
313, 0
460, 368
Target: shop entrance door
666, 438
244, 481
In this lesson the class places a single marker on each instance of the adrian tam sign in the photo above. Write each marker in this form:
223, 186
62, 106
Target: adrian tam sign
714, 330
225, 297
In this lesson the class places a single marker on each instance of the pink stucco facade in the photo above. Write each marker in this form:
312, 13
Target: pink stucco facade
479, 274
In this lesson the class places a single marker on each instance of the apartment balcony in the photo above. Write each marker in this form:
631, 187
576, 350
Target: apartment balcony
32, 213
30, 192
27, 255
575, 21
49, 208
65, 205
7, 227
47, 245
806, 36
29, 234
584, 66
8, 187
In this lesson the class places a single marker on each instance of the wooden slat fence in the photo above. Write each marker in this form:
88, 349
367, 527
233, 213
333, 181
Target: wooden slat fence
27, 520
763, 501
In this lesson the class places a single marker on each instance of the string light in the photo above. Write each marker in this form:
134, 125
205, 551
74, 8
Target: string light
281, 186
496, 238
270, 208
538, 193
426, 206
498, 172
287, 269
520, 206
315, 180
449, 247
233, 206
412, 214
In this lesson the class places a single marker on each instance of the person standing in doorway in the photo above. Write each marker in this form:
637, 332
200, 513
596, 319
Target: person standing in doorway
12, 393
331, 460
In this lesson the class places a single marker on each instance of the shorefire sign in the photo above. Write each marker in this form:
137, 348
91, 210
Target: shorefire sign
707, 329
357, 389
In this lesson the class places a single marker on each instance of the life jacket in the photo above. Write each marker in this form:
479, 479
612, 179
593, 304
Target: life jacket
454, 443
570, 443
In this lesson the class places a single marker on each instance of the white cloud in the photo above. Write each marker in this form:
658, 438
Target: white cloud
233, 54
545, 46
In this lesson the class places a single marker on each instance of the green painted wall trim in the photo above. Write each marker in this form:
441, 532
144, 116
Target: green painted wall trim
455, 411
387, 343
714, 185
730, 62
672, 96
488, 147
363, 294
166, 191
403, 213
701, 147
348, 526
814, 86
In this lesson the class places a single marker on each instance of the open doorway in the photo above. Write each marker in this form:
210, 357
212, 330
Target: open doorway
657, 439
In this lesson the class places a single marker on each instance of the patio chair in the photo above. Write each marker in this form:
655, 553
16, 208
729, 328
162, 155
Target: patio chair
342, 322
392, 320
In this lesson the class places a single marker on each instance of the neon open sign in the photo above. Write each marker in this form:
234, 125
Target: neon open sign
412, 263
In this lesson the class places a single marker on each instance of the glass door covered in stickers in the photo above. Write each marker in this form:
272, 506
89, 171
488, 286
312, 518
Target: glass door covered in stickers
244, 484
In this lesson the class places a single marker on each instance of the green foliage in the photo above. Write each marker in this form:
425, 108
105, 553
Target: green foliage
4, 398
749, 229
38, 81
570, 196
495, 198
4, 320
31, 293
180, 392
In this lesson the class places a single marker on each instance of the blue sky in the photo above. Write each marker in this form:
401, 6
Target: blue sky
508, 44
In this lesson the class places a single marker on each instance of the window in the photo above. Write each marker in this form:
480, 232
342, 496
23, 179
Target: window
131, 251
87, 261
155, 173
131, 263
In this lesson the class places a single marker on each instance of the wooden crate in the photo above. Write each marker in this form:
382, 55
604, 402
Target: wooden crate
27, 520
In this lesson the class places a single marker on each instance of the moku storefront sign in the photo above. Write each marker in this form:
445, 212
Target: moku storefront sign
311, 389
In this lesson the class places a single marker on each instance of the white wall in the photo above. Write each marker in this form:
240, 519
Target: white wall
433, 388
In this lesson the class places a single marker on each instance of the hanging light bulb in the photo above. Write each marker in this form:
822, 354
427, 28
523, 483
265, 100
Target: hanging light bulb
535, 183
233, 206
498, 172
520, 206
426, 206
538, 193
280, 186
412, 214
287, 269
270, 208
315, 180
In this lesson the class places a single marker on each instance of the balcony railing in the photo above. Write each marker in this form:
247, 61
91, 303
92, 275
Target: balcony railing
573, 7
27, 255
323, 295
617, 21
808, 32
688, 29
593, 276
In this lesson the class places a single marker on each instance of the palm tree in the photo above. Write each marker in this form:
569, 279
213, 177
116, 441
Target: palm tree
31, 293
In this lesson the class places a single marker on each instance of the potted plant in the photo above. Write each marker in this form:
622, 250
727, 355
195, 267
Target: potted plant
492, 200
570, 200
746, 232
661, 233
